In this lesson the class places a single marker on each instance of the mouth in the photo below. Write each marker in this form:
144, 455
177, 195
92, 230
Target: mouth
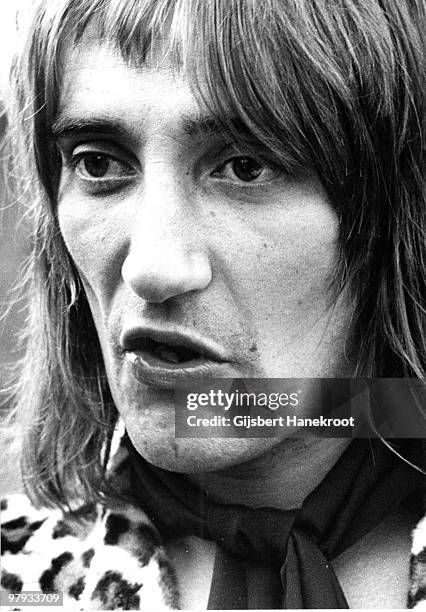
169, 353
163, 359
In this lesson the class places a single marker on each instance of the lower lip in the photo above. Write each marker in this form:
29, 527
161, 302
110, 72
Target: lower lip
154, 372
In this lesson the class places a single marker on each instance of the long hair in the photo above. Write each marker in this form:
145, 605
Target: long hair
334, 86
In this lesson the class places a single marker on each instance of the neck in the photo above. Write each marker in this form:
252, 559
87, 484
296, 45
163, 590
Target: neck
281, 478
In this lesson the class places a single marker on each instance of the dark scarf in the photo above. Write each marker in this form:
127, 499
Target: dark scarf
270, 558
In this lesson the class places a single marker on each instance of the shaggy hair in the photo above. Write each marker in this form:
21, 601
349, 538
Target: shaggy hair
333, 86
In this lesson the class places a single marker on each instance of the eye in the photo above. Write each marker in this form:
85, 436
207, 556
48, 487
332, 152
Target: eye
93, 165
247, 170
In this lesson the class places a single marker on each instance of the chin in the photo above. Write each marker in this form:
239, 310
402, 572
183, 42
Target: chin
148, 416
190, 455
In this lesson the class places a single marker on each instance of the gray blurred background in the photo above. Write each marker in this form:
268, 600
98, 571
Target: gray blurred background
13, 247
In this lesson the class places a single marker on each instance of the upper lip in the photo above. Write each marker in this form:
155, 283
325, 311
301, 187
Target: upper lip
138, 339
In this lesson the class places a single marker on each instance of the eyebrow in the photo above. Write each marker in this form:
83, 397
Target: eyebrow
201, 126
68, 125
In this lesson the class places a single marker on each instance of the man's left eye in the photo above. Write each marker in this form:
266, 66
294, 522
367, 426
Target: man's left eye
245, 169
101, 166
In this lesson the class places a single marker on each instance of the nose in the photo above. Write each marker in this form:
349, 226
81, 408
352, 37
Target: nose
166, 256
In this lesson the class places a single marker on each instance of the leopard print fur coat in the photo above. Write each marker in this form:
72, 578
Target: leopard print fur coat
112, 558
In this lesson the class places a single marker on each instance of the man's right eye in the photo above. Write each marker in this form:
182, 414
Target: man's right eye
100, 166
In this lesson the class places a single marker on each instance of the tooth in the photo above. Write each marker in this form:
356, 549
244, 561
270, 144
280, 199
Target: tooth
167, 354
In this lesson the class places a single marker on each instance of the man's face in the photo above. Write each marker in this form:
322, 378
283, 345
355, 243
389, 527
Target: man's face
196, 259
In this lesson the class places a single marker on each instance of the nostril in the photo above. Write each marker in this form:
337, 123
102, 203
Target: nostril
161, 278
147, 280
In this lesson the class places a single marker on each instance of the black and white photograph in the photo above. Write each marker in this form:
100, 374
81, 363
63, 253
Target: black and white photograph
213, 304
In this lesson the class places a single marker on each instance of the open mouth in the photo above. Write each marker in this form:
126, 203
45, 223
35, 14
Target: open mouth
165, 359
168, 353
168, 348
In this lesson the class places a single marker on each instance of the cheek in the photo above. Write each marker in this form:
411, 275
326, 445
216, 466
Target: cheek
97, 246
284, 262
281, 271
302, 262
